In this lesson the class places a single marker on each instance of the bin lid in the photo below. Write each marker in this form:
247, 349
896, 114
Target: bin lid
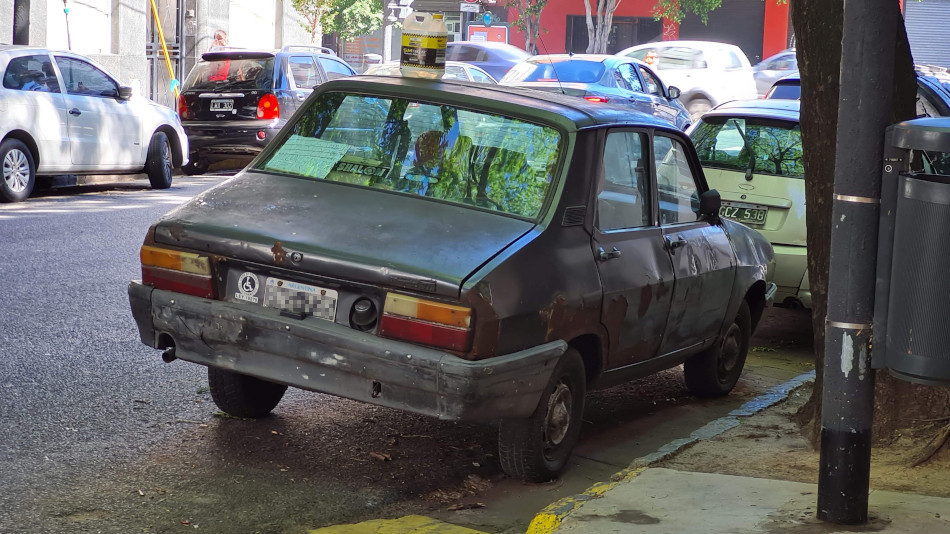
926, 133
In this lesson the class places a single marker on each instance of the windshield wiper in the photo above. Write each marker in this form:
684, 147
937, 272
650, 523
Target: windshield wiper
750, 170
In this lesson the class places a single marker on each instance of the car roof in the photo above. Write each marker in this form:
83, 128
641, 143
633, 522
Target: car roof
690, 44
21, 48
766, 108
577, 57
569, 112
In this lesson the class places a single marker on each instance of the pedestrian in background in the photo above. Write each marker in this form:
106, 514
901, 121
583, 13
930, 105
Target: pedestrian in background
652, 58
220, 40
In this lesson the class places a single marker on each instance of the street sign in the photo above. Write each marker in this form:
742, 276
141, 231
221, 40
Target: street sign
469, 8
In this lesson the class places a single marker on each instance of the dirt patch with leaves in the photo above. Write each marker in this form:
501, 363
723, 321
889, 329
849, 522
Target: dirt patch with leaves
772, 445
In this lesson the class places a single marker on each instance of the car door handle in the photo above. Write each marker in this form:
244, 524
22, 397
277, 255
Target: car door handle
603, 255
673, 244
75, 111
301, 98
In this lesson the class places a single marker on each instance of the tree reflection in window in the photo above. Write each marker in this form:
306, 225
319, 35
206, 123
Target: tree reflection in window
775, 145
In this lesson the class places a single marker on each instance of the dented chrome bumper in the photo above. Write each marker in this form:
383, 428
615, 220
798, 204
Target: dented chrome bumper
331, 358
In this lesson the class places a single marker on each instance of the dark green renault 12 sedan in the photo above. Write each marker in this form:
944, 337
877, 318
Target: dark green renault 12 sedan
463, 251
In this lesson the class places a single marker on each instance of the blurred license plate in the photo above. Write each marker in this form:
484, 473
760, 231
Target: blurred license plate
222, 105
300, 298
744, 213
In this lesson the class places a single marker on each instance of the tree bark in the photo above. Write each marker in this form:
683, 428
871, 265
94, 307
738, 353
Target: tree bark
817, 25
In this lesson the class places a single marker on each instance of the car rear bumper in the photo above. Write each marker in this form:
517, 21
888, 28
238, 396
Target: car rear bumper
229, 138
323, 356
791, 274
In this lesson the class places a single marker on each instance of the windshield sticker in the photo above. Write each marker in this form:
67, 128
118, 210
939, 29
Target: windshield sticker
247, 288
365, 170
307, 156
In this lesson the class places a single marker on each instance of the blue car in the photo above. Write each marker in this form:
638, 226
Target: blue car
602, 79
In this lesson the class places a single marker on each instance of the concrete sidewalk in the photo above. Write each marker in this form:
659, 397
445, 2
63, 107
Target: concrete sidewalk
656, 500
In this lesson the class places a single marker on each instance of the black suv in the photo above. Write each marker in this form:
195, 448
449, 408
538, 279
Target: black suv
234, 100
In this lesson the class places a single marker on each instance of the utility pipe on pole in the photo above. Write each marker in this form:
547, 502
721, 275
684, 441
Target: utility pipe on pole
867, 73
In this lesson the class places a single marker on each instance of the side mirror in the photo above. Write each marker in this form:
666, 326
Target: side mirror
125, 92
674, 92
709, 203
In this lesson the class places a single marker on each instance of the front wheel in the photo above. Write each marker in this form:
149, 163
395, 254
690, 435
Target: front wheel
537, 449
715, 371
243, 395
159, 165
18, 171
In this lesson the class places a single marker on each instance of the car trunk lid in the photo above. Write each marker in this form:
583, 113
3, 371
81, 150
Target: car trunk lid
342, 232
773, 205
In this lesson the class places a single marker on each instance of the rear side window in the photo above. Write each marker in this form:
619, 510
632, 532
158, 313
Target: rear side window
788, 91
464, 53
437, 151
679, 57
232, 73
304, 72
624, 197
766, 146
31, 73
335, 69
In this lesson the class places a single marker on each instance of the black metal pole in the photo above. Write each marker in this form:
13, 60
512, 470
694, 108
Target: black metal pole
867, 71
21, 22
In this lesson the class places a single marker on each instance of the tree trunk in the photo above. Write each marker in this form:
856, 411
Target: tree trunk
817, 25
590, 27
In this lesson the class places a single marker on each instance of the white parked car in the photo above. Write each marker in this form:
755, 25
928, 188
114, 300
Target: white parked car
706, 73
61, 113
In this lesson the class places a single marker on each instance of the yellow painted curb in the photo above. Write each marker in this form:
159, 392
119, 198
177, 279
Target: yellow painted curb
410, 524
549, 519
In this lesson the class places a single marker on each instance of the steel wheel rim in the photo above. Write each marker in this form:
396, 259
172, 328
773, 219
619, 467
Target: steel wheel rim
16, 171
557, 420
166, 159
729, 355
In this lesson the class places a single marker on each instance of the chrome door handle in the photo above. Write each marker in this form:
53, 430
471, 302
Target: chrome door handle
673, 244
603, 255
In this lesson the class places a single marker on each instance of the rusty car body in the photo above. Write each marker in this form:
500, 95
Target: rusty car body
467, 252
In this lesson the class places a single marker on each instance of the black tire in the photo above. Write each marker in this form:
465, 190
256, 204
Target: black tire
195, 167
242, 395
159, 164
715, 371
697, 107
537, 449
17, 171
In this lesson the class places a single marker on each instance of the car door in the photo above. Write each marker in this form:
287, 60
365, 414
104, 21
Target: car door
701, 254
304, 76
104, 132
635, 269
36, 104
637, 97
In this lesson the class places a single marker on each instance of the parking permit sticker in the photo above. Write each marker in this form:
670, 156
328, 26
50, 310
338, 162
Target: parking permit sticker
307, 156
248, 284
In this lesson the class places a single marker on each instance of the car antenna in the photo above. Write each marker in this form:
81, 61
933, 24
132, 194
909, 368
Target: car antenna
556, 76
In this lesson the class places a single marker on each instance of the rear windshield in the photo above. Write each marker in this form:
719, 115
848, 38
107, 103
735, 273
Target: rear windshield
577, 71
787, 91
227, 74
766, 146
441, 152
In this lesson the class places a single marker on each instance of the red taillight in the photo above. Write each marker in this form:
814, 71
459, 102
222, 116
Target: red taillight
177, 281
596, 99
426, 322
267, 107
173, 270
183, 111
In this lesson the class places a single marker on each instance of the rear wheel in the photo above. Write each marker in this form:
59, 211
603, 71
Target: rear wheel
715, 371
194, 167
242, 395
537, 449
18, 171
159, 165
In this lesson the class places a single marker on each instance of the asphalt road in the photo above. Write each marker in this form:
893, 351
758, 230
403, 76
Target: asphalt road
97, 434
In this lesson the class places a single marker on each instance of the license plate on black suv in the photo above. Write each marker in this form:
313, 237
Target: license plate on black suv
222, 105
751, 214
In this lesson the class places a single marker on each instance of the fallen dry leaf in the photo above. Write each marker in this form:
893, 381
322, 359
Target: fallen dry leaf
382, 456
466, 506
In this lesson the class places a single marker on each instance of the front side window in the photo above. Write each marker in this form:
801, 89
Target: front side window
335, 69
624, 197
676, 185
437, 151
82, 78
759, 145
653, 85
678, 57
31, 73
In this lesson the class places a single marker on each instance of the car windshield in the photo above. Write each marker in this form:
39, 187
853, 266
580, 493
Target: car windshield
437, 151
225, 74
767, 146
565, 71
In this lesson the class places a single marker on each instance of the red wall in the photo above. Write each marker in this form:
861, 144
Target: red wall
554, 23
